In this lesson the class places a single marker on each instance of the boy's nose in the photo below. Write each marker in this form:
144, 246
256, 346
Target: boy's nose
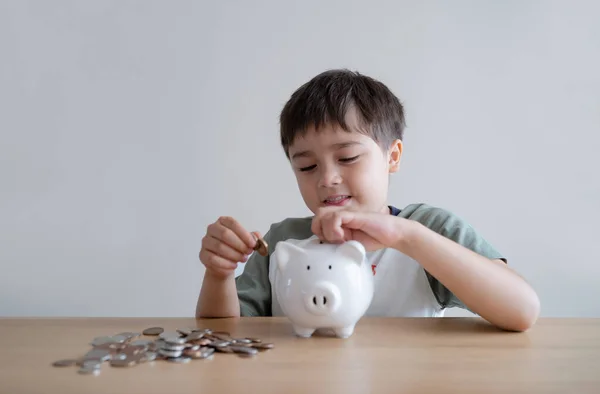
330, 178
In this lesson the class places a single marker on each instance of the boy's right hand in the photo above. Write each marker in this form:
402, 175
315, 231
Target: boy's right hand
226, 244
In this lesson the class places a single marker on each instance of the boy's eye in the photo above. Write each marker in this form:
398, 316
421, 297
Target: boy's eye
349, 159
304, 169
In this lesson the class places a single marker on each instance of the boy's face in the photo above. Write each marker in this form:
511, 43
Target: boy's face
336, 168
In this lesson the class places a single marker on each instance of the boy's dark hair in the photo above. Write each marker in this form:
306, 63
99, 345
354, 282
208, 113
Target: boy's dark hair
326, 99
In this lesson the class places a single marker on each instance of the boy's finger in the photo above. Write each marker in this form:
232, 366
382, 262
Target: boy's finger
332, 229
226, 235
351, 222
223, 250
214, 261
348, 234
342, 233
243, 234
315, 227
325, 228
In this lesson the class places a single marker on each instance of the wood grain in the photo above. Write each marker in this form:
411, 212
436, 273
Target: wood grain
385, 355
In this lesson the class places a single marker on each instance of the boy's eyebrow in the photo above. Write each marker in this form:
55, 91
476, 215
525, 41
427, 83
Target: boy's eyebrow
336, 146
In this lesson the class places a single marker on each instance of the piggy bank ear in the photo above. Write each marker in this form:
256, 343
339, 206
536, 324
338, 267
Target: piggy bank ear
353, 250
284, 252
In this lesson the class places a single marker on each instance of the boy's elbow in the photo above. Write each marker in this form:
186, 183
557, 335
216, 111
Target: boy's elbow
527, 314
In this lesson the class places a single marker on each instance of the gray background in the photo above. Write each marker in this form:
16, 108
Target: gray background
128, 126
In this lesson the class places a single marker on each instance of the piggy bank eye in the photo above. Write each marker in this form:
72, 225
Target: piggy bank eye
308, 267
329, 267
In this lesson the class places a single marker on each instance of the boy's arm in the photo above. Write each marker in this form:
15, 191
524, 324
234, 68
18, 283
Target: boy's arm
250, 293
486, 286
247, 295
218, 297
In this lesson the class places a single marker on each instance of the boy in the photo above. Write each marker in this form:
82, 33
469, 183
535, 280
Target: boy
342, 133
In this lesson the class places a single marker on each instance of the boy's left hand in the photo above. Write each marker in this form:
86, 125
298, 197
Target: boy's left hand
372, 229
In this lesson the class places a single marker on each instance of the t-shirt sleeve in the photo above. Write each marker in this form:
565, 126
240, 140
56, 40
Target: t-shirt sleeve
457, 229
253, 286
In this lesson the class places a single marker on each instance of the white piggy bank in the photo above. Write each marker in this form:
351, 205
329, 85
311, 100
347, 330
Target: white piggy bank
323, 285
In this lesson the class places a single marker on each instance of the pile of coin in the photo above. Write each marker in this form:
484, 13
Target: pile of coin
180, 346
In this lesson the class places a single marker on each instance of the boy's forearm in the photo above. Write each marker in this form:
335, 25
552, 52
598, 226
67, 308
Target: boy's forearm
488, 288
218, 297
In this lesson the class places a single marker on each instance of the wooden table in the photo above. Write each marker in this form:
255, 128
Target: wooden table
443, 355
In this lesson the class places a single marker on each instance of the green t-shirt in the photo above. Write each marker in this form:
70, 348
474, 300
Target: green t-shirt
254, 287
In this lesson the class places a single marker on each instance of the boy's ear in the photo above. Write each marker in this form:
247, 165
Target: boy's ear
284, 252
394, 155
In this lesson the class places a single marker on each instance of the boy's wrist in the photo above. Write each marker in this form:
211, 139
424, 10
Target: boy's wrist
218, 276
409, 234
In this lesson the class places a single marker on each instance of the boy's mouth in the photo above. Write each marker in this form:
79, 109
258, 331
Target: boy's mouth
337, 200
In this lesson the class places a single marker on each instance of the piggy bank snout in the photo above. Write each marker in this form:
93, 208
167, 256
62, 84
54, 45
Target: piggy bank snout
322, 299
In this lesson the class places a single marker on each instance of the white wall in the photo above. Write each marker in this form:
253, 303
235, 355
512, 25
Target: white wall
127, 127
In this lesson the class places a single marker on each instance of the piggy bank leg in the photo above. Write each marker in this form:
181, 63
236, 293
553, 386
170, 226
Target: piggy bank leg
344, 332
303, 331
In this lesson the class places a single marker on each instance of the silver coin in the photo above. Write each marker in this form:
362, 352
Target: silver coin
89, 371
207, 351
127, 362
109, 346
97, 354
172, 348
135, 349
103, 341
181, 360
141, 342
166, 334
172, 337
129, 335
121, 338
220, 344
174, 340
150, 356
202, 330
221, 335
184, 331
242, 340
91, 364
119, 356
170, 353
194, 336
